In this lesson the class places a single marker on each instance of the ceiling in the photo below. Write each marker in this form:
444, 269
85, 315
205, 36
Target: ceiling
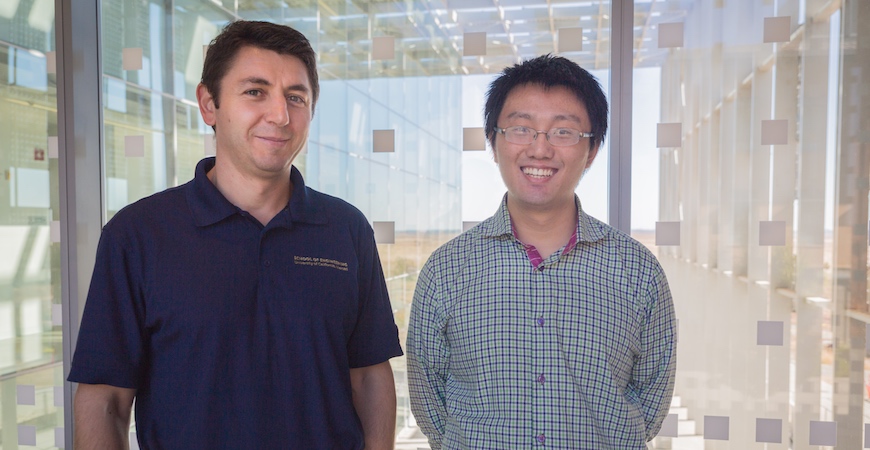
428, 34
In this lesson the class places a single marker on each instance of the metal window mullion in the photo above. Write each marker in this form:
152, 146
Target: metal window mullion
621, 72
80, 126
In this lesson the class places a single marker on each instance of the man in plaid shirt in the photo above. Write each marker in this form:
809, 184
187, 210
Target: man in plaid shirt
542, 327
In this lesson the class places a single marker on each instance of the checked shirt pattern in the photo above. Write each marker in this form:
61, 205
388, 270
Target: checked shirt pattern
576, 353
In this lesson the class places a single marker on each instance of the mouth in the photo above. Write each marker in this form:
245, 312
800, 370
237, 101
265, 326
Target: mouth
540, 173
274, 139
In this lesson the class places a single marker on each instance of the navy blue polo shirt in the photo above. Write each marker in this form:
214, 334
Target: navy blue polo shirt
236, 335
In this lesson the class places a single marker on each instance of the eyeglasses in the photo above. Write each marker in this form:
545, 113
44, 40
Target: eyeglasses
560, 137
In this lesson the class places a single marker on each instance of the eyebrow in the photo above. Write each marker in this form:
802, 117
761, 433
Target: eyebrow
525, 115
265, 82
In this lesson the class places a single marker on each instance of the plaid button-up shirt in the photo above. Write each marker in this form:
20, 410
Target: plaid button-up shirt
578, 353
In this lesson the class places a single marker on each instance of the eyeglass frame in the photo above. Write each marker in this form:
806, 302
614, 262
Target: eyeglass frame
580, 135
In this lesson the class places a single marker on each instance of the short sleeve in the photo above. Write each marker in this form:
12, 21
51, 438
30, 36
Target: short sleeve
375, 338
111, 343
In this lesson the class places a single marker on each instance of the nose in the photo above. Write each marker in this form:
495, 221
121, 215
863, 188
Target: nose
540, 148
277, 113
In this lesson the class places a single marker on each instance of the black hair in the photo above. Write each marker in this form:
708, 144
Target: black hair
548, 71
280, 39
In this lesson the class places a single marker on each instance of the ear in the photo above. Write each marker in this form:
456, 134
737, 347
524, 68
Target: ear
591, 157
491, 141
207, 107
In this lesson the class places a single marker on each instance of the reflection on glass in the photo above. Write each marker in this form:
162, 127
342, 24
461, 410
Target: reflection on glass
726, 178
31, 372
720, 183
420, 94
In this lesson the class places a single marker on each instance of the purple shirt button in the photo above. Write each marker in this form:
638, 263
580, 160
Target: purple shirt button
541, 438
540, 321
541, 379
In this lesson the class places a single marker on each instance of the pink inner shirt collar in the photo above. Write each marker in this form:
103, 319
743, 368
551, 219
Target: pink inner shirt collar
534, 255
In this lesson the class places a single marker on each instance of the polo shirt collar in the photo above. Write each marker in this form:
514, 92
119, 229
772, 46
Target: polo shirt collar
588, 230
209, 206
302, 207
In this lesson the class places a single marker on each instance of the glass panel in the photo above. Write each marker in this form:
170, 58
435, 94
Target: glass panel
154, 135
748, 133
427, 93
31, 372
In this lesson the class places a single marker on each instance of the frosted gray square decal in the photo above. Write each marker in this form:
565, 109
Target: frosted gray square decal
770, 333
768, 430
26, 435
670, 35
823, 433
26, 394
716, 427
570, 40
385, 232
777, 29
474, 44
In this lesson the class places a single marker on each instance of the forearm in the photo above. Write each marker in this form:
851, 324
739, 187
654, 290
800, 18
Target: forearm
374, 398
427, 401
656, 400
102, 417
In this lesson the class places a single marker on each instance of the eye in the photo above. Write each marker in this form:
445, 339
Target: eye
564, 132
297, 99
254, 92
521, 130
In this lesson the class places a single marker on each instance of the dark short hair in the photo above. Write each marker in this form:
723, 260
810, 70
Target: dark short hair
280, 39
548, 71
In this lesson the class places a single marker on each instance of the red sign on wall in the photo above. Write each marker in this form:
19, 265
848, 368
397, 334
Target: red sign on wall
38, 154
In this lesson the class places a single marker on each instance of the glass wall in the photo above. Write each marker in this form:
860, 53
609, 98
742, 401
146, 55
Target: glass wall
399, 69
751, 185
31, 369
750, 179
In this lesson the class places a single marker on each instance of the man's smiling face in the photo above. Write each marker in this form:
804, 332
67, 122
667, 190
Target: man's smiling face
264, 115
540, 176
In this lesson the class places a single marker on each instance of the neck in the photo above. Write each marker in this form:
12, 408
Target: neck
547, 229
262, 198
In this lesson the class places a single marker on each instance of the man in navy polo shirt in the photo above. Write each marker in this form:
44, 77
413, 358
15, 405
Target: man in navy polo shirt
242, 309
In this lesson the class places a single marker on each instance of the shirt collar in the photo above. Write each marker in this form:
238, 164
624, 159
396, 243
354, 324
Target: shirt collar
588, 229
209, 206
303, 207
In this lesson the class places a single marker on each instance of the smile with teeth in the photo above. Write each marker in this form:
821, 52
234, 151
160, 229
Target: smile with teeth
538, 173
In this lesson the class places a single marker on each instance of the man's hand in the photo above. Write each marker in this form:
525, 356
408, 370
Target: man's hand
374, 397
102, 416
